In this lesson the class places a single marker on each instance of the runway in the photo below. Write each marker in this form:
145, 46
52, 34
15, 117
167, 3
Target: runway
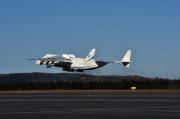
90, 105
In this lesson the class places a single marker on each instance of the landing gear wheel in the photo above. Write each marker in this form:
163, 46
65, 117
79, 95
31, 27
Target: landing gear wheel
48, 66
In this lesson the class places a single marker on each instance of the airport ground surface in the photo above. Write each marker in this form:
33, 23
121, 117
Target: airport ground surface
90, 105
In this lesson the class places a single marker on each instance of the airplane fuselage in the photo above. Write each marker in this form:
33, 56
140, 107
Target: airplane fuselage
73, 64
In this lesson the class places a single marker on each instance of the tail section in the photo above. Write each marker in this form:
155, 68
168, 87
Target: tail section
126, 60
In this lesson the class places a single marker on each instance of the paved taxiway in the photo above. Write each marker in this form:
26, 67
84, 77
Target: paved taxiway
90, 105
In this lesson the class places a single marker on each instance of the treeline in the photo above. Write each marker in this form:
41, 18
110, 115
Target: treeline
45, 81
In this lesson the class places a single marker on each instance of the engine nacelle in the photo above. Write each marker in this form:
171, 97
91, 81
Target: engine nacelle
65, 56
51, 62
39, 62
45, 63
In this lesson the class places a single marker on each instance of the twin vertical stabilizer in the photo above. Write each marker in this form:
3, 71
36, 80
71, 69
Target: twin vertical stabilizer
126, 60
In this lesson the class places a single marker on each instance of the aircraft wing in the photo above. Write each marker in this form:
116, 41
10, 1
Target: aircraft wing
48, 59
55, 60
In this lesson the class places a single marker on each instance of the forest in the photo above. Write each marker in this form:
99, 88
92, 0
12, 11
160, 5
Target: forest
71, 81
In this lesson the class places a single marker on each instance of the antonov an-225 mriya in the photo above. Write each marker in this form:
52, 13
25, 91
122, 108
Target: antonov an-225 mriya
71, 63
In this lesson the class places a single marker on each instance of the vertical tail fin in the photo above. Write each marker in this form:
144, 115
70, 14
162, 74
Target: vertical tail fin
126, 60
90, 55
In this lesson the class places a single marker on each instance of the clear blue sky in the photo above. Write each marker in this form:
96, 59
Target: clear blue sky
151, 28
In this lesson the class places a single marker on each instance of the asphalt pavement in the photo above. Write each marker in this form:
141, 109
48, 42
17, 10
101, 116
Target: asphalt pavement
90, 105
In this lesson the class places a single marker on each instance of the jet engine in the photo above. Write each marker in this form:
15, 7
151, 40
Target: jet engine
39, 62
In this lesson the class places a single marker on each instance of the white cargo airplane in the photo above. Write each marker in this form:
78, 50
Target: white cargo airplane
71, 63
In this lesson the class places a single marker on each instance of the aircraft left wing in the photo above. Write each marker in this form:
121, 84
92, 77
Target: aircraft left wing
48, 59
